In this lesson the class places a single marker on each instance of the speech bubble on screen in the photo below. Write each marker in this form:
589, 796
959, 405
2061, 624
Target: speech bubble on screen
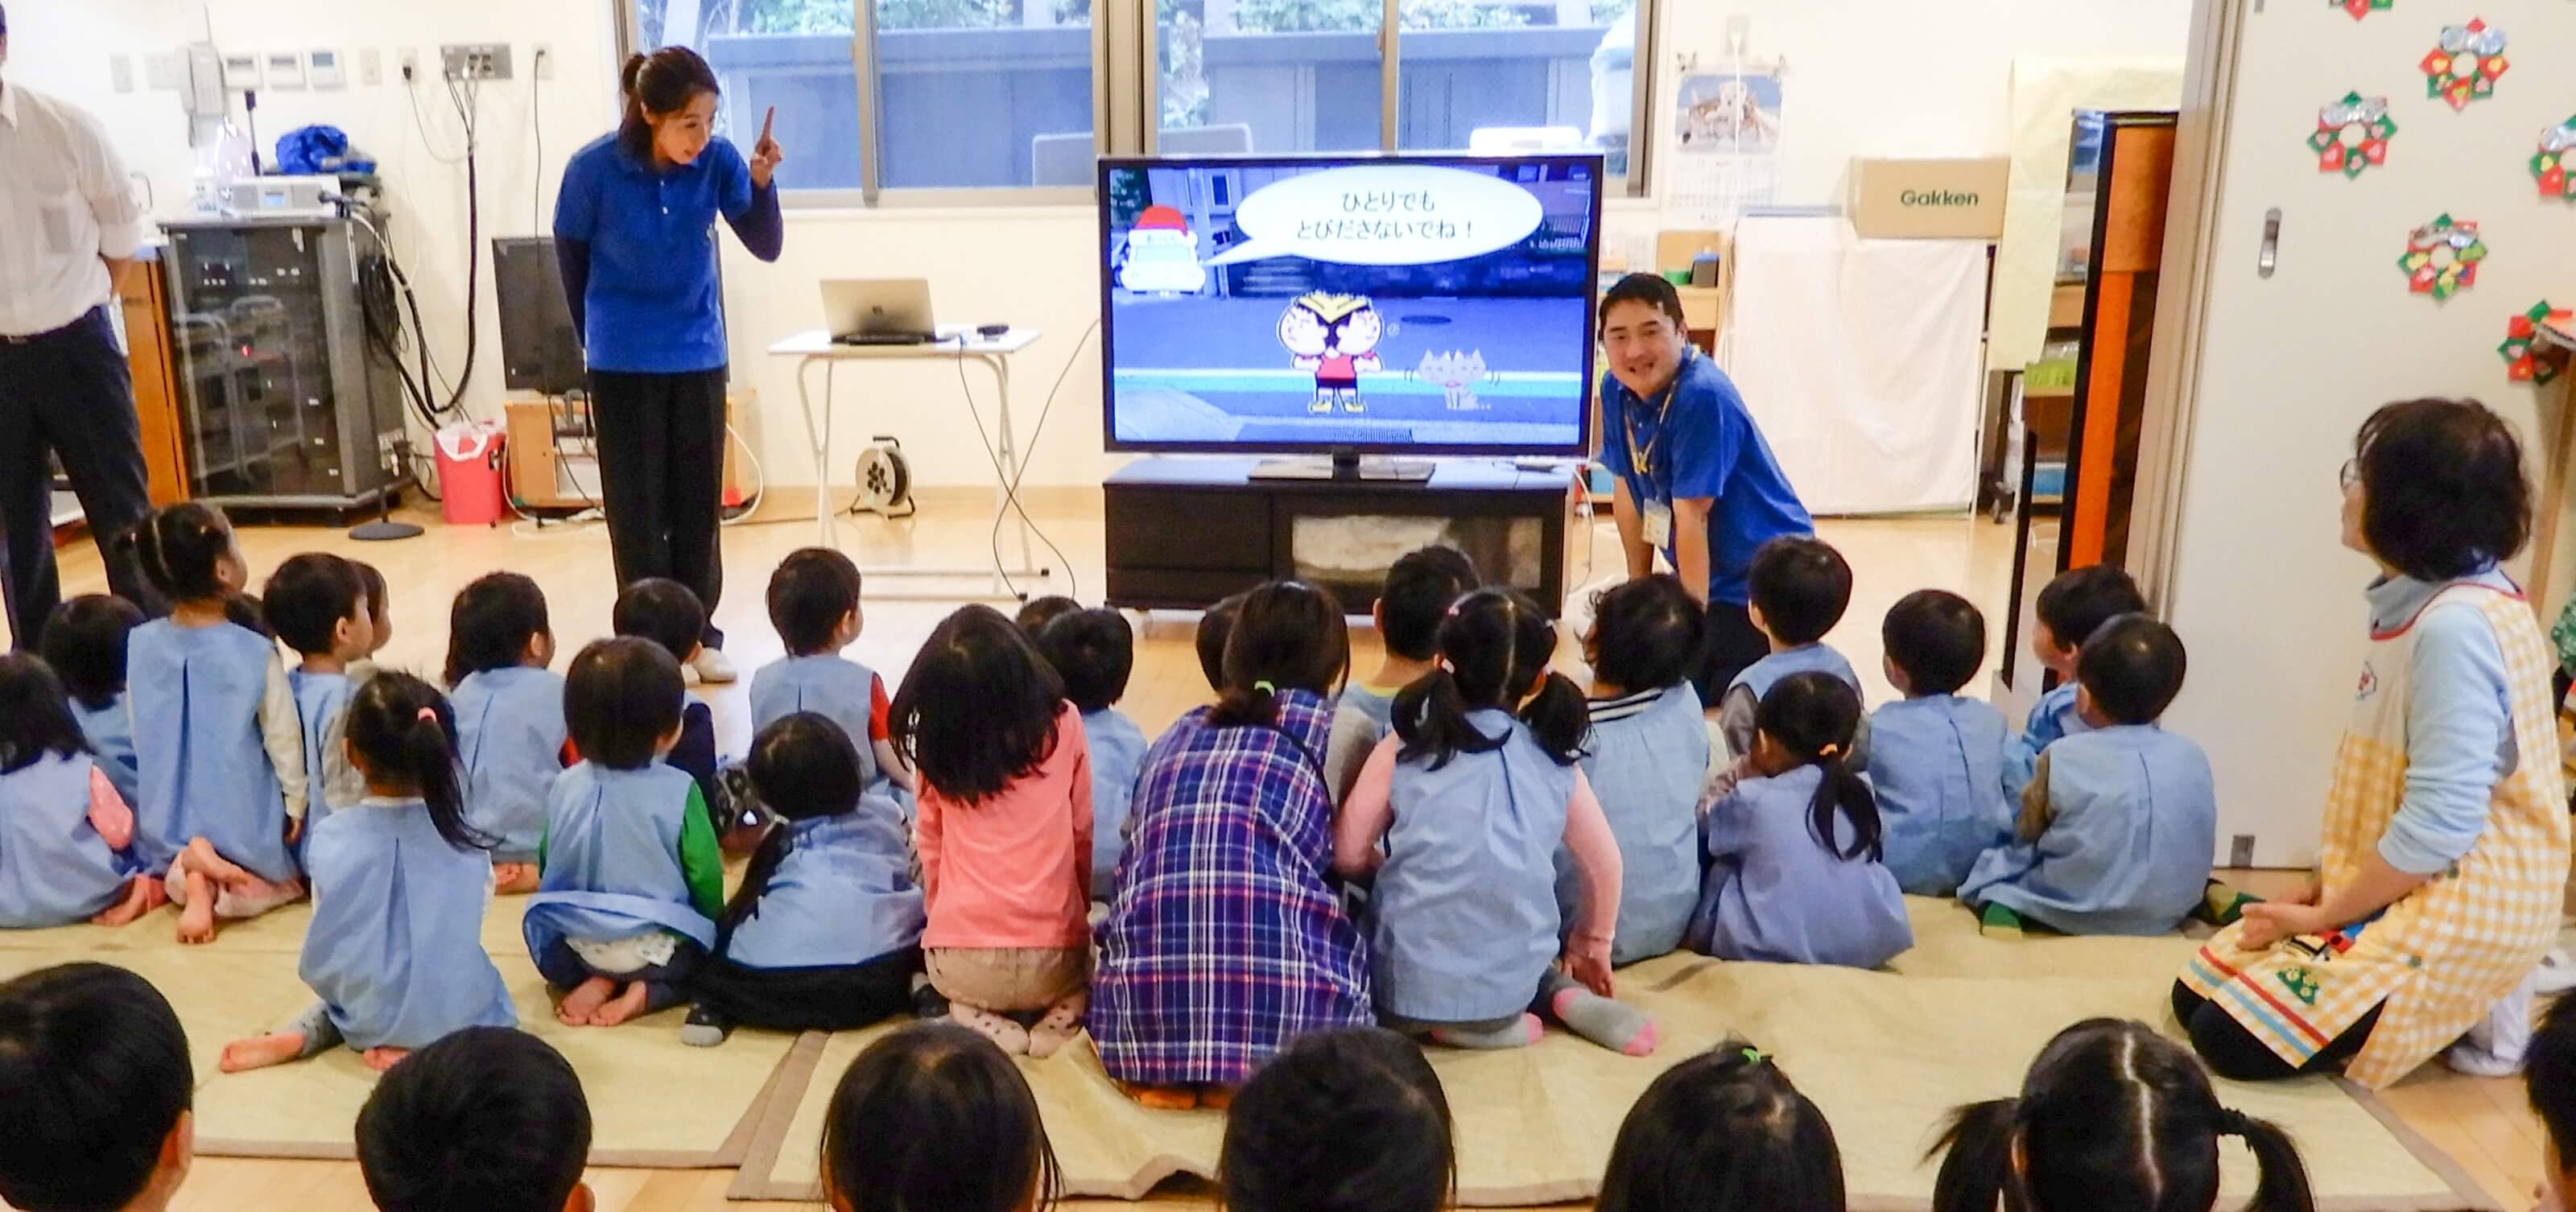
1383, 214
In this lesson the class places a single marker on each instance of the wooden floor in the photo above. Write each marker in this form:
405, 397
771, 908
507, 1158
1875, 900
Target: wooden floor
2482, 1123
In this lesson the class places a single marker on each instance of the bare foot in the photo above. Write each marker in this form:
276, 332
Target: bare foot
586, 998
627, 1004
261, 1051
514, 879
381, 1059
143, 894
197, 917
202, 858
1160, 1098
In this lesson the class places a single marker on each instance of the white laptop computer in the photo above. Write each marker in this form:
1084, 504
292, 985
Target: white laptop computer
878, 311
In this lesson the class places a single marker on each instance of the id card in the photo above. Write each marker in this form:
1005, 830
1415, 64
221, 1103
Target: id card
1659, 523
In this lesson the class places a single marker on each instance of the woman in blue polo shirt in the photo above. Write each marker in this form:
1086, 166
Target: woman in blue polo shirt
1695, 478
635, 234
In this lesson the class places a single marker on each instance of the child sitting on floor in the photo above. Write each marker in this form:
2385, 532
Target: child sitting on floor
64, 832
1799, 588
1724, 1131
667, 613
2070, 609
1416, 595
2119, 821
222, 775
1472, 801
1795, 875
98, 1116
1348, 1120
317, 604
380, 619
1004, 830
488, 1118
814, 603
510, 730
1216, 624
400, 883
85, 643
630, 878
825, 932
1938, 765
1648, 750
2107, 1106
1094, 651
933, 1116
1036, 613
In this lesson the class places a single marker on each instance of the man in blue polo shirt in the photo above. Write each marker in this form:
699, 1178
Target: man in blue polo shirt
1695, 479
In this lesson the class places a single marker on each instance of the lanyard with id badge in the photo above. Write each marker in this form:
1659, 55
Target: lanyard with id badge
1658, 509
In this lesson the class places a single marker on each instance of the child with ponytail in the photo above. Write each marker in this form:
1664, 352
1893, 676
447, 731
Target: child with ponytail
1472, 797
1796, 875
400, 883
221, 781
1725, 1131
1347, 1120
64, 831
2112, 1118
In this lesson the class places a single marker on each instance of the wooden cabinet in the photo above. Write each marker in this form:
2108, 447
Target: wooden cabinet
156, 378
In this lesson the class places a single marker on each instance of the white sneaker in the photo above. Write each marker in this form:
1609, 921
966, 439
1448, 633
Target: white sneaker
2495, 1047
713, 667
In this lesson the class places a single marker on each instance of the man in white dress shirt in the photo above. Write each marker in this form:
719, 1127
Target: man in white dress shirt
67, 221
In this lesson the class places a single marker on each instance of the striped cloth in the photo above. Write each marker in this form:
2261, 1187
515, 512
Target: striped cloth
1228, 936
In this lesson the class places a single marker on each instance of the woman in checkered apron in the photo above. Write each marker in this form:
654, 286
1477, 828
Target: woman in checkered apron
2445, 844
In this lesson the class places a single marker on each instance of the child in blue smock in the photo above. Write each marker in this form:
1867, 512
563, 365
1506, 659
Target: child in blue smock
669, 614
631, 879
221, 763
1799, 588
509, 717
1937, 760
64, 831
1647, 752
2119, 821
2070, 609
84, 641
400, 884
814, 603
1794, 873
1094, 651
317, 605
1416, 595
825, 932
1472, 803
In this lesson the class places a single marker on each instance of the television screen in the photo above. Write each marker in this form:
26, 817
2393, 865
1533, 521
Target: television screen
1425, 304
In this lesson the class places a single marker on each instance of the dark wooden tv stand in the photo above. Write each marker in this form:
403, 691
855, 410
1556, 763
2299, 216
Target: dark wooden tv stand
1185, 531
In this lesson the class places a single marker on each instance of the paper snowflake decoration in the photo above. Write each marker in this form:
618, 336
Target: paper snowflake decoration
2352, 135
2442, 258
2363, 8
2554, 165
2464, 65
2521, 349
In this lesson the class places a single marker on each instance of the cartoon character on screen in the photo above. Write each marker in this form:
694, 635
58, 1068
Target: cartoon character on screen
1335, 336
1457, 372
1162, 255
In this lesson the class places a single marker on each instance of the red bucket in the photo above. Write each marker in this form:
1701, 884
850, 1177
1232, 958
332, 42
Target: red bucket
469, 474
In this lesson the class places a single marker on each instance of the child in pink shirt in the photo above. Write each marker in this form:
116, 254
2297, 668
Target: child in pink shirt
1004, 830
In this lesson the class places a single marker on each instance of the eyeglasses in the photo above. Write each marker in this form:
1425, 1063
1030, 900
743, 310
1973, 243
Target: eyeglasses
2351, 474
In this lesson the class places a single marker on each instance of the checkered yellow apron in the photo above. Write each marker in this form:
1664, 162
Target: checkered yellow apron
2442, 956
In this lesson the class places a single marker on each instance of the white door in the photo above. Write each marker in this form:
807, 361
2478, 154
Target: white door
2291, 361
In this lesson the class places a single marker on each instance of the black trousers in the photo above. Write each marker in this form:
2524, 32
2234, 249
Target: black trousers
661, 478
810, 999
1733, 643
67, 392
2234, 1053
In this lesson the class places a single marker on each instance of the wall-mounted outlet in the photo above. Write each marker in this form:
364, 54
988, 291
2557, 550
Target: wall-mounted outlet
409, 59
120, 72
2240, 850
371, 66
476, 60
541, 61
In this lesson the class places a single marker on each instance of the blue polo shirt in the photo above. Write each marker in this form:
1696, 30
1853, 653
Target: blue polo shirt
652, 304
1699, 441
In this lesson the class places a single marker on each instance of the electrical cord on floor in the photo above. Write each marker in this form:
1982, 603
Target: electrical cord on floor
1011, 480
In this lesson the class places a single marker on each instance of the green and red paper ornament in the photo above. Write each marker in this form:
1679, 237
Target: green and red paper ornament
2352, 135
2363, 8
2464, 64
2554, 165
2442, 258
2521, 351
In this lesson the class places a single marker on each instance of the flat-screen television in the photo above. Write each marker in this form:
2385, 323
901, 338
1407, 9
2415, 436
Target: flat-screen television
1423, 304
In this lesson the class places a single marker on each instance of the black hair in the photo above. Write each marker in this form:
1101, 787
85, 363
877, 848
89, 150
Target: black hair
2443, 489
380, 598
1724, 1131
491, 624
1495, 644
1646, 633
2133, 667
934, 1118
1650, 289
96, 1066
1036, 613
664, 611
1416, 596
1937, 637
84, 640
1346, 1120
2112, 1117
2549, 1071
1216, 625
487, 1118
181, 549
621, 697
35, 715
402, 734
1801, 585
307, 597
664, 82
1812, 717
2080, 600
804, 766
978, 707
813, 589
1094, 651
1287, 635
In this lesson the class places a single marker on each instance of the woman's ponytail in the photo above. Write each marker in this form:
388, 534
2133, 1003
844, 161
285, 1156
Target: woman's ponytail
663, 82
2281, 1183
1978, 1141
1559, 719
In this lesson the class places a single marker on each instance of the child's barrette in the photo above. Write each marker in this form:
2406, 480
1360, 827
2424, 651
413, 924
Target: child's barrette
1753, 1056
1265, 687
428, 715
1830, 751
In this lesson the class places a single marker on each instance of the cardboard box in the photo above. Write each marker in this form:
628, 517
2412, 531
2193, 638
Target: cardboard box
1928, 199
